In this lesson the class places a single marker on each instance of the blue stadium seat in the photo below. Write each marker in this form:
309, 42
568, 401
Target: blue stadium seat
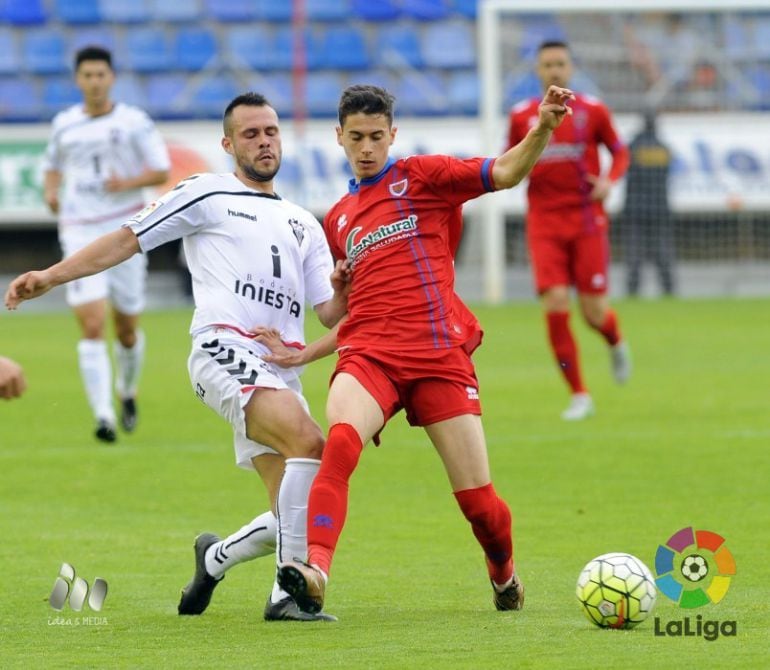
23, 12
125, 11
736, 37
536, 30
382, 10
344, 48
464, 92
327, 10
60, 92
96, 36
468, 8
398, 46
231, 10
762, 36
212, 96
449, 44
248, 47
518, 87
147, 50
425, 10
322, 93
9, 52
282, 51
44, 51
274, 10
421, 94
195, 48
166, 95
19, 100
129, 89
379, 78
277, 88
78, 11
175, 11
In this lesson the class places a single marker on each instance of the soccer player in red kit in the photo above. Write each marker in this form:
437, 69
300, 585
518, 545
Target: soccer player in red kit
567, 227
407, 338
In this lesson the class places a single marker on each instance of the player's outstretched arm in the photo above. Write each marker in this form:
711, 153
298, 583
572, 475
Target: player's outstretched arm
289, 357
102, 253
516, 163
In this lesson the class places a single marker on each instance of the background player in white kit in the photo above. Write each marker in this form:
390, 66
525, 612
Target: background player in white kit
255, 260
100, 157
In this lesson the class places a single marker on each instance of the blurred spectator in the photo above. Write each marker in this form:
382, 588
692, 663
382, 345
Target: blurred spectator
647, 214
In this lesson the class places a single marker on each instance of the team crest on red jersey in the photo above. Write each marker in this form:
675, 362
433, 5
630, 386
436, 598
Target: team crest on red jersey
398, 188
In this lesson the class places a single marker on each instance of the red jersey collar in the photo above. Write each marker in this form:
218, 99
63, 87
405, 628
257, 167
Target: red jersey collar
354, 185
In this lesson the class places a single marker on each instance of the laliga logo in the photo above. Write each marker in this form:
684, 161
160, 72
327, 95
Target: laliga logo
693, 569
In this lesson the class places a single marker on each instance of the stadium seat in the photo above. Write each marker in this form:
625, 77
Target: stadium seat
44, 51
736, 37
762, 37
147, 50
322, 93
19, 100
463, 92
211, 97
78, 11
23, 12
467, 8
382, 10
194, 48
167, 95
274, 10
421, 94
344, 48
379, 78
230, 11
9, 52
277, 88
174, 11
125, 11
58, 93
520, 86
449, 45
96, 36
425, 10
536, 30
129, 89
282, 51
248, 47
327, 10
398, 46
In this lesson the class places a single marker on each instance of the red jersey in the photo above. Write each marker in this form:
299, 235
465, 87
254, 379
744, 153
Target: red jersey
559, 179
400, 229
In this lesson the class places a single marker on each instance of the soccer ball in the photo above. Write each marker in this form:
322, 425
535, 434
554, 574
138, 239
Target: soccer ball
616, 591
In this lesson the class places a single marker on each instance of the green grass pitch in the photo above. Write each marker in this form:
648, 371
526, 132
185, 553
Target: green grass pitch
687, 442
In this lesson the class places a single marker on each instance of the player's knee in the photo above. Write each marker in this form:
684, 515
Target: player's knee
307, 442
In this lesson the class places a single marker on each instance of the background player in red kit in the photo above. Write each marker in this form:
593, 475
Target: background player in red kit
567, 227
407, 338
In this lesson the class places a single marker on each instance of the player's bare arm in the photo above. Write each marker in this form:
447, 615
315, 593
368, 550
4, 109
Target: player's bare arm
12, 382
146, 178
103, 253
516, 163
289, 357
331, 311
51, 184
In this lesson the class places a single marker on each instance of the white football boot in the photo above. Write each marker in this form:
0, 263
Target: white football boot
620, 357
580, 407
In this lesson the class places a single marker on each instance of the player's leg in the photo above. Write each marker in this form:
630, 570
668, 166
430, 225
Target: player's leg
664, 250
127, 292
354, 416
635, 250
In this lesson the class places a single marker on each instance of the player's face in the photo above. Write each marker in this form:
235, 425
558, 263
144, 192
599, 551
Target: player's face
554, 67
366, 139
94, 78
254, 142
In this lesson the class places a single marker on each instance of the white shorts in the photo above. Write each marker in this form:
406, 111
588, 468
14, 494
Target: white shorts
225, 369
123, 284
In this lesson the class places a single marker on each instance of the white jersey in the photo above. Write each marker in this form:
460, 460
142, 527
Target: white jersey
88, 150
255, 259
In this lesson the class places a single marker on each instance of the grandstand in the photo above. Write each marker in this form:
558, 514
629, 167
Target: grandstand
182, 62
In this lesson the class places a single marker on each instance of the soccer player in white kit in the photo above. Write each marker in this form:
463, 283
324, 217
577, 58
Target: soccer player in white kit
100, 157
255, 260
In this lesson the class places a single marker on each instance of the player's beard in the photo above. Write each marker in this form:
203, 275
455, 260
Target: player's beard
261, 175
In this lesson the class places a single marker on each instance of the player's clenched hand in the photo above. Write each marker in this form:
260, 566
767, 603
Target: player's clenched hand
600, 187
12, 382
280, 354
553, 108
342, 278
27, 286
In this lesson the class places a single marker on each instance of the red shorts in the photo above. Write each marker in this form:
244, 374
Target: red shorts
430, 388
566, 251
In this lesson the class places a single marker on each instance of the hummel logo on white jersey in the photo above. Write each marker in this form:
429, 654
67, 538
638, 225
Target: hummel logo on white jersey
342, 222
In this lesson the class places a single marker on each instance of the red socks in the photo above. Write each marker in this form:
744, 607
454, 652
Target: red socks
565, 349
490, 520
328, 500
610, 330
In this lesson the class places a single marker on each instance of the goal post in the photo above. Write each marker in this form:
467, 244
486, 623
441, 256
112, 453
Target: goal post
492, 15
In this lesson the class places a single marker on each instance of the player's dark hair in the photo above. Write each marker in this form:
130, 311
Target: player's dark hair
93, 52
553, 44
250, 99
365, 99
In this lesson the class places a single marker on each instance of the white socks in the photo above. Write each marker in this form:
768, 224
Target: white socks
292, 508
255, 539
128, 366
96, 371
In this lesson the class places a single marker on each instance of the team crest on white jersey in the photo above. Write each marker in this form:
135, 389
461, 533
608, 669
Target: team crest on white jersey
398, 188
298, 229
342, 222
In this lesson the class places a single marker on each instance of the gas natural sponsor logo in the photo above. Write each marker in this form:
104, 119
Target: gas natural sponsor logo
384, 232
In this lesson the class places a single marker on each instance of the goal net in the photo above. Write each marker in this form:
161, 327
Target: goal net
701, 70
